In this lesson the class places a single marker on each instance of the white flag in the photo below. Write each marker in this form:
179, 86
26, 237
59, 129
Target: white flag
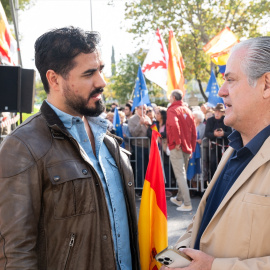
8, 45
156, 62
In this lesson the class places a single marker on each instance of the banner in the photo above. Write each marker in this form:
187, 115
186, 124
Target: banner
8, 45
152, 226
175, 66
156, 61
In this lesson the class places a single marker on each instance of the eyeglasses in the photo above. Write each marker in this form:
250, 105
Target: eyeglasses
149, 111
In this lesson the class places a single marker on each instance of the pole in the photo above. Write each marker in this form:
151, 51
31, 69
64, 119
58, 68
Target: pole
17, 14
91, 15
16, 31
17, 39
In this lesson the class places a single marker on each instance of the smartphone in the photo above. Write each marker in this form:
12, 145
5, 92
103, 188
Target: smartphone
171, 257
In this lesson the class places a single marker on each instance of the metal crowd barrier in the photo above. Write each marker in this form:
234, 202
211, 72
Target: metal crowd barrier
139, 163
198, 183
2, 137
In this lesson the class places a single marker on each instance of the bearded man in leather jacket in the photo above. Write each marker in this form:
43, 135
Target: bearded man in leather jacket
67, 196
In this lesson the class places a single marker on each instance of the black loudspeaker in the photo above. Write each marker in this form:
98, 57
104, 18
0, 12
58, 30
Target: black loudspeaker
10, 88
27, 90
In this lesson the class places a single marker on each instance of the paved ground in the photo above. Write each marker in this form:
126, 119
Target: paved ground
177, 221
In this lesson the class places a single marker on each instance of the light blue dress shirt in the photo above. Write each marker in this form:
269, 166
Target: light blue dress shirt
107, 170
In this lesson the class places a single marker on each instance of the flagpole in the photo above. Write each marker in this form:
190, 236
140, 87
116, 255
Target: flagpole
91, 15
142, 104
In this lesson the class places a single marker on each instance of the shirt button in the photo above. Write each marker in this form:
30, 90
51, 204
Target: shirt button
129, 184
56, 178
84, 171
77, 120
85, 140
105, 237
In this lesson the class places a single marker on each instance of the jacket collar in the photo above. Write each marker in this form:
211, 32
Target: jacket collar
259, 159
177, 103
52, 119
56, 124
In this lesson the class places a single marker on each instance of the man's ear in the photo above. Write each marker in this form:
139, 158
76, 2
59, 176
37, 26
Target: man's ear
53, 79
266, 92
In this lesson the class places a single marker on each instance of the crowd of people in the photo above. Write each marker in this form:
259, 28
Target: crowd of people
203, 153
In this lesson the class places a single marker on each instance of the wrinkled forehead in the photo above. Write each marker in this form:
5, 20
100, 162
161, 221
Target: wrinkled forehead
235, 60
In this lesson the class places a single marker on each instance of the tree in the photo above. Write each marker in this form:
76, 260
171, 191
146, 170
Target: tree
113, 68
23, 4
194, 23
40, 93
121, 85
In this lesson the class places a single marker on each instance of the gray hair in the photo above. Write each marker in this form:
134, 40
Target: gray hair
178, 94
199, 114
257, 59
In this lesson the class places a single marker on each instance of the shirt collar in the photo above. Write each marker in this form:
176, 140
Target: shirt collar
70, 120
254, 145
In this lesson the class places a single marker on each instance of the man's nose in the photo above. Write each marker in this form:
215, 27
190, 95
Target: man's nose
100, 81
223, 91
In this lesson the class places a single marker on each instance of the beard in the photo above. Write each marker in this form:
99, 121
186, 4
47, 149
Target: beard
79, 104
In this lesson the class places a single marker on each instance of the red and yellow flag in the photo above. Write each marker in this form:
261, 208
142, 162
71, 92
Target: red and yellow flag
176, 66
8, 44
153, 234
219, 46
154, 127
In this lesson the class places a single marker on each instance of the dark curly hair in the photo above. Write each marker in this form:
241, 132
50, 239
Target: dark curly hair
57, 49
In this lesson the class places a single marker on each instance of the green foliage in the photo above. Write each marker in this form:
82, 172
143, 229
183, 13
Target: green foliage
23, 5
194, 23
40, 93
26, 115
121, 85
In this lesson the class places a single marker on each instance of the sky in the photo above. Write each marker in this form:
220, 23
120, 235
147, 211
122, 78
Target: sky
49, 14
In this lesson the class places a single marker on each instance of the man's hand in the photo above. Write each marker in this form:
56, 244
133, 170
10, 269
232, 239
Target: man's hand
145, 120
177, 147
218, 132
200, 260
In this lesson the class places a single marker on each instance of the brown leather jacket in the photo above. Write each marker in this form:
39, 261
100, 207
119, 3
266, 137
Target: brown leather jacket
53, 212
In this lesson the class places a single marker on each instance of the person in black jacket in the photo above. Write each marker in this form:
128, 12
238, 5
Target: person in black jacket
217, 132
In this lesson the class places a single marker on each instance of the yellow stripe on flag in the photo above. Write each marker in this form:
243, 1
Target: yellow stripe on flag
175, 66
153, 234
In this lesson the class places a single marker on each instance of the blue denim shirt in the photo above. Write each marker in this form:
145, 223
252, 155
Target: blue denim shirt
107, 170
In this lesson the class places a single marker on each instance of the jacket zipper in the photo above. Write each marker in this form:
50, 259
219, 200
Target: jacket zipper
99, 180
70, 246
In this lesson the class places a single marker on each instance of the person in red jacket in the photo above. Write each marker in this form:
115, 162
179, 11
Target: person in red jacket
181, 138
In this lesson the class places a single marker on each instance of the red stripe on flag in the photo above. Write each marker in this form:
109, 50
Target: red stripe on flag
154, 174
7, 37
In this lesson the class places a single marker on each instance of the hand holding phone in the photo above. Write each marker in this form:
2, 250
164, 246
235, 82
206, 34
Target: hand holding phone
171, 257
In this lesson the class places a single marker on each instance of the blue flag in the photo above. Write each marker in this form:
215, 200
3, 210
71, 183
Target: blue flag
212, 89
140, 93
194, 164
222, 69
117, 125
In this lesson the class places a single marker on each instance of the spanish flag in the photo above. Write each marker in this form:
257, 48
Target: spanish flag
219, 46
176, 66
153, 234
154, 127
